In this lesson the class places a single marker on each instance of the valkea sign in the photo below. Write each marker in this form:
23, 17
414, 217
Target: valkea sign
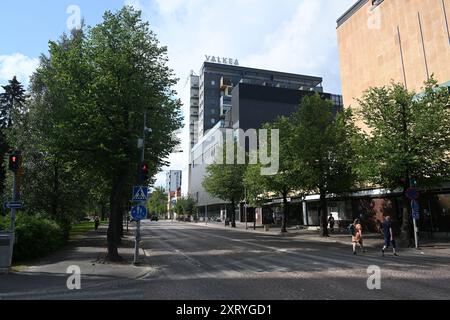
229, 61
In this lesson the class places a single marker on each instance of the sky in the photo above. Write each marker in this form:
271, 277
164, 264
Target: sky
296, 36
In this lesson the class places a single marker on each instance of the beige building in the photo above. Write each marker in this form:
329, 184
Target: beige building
402, 40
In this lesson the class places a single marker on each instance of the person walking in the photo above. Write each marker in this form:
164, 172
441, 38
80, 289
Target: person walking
356, 230
96, 223
388, 236
331, 222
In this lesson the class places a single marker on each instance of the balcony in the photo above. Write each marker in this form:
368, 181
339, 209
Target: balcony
225, 83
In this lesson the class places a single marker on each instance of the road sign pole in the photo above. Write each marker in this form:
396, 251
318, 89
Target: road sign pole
415, 234
136, 243
414, 210
12, 226
138, 226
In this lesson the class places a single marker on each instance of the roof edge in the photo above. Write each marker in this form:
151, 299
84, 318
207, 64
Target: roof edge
358, 5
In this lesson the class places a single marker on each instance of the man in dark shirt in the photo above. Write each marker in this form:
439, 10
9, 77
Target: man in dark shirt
388, 236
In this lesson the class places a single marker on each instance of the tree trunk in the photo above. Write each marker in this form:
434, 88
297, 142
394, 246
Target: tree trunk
115, 219
284, 215
407, 233
103, 210
233, 214
323, 213
55, 197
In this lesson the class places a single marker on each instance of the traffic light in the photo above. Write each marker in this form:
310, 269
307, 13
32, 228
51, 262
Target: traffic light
143, 172
15, 160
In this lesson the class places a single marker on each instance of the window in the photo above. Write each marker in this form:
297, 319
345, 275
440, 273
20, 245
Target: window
213, 83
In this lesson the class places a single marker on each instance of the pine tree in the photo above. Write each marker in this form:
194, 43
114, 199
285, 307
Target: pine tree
12, 99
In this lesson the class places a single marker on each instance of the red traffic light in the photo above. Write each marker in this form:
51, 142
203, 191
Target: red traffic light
144, 168
14, 162
143, 172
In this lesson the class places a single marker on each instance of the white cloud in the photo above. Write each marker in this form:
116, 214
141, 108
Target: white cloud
134, 3
297, 36
17, 65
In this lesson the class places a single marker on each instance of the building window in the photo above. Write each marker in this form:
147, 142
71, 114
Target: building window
213, 83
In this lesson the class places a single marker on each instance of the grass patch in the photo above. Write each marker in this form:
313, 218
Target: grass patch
19, 268
82, 228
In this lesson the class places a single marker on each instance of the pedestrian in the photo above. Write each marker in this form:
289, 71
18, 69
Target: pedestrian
331, 222
388, 236
96, 223
356, 231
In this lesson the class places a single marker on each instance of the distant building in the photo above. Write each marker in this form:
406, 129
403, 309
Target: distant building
235, 97
173, 181
173, 189
210, 94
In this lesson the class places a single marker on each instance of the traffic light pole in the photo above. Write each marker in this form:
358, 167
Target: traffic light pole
138, 223
12, 226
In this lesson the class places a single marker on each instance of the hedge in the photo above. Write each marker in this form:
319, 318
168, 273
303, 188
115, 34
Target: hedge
36, 236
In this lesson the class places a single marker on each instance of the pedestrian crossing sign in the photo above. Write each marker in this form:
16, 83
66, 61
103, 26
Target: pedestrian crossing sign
140, 193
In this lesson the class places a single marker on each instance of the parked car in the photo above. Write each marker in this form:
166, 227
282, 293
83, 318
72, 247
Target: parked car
154, 218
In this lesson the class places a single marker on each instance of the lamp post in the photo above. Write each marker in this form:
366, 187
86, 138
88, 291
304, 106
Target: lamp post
245, 209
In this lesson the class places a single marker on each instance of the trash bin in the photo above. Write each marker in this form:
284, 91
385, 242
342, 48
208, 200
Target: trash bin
266, 227
6, 246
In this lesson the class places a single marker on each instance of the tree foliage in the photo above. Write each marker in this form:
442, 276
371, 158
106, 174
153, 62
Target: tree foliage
409, 138
88, 98
226, 181
325, 150
286, 180
157, 203
12, 106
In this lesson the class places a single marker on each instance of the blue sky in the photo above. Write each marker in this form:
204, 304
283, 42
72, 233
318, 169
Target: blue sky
297, 36
36, 22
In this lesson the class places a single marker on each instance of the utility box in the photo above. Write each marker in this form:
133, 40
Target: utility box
6, 250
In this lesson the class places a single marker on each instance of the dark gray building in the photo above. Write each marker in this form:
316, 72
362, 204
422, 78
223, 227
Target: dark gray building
211, 92
256, 104
233, 97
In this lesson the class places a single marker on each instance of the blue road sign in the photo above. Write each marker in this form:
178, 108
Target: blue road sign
139, 213
140, 193
13, 205
415, 209
412, 193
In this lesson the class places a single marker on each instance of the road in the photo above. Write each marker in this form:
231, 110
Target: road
194, 262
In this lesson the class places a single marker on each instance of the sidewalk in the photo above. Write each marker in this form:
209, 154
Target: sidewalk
371, 240
88, 252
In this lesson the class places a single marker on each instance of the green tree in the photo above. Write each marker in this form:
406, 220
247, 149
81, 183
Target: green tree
325, 150
94, 87
12, 101
286, 180
179, 207
409, 139
226, 182
189, 206
157, 202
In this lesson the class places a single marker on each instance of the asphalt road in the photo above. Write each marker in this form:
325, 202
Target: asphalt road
192, 262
